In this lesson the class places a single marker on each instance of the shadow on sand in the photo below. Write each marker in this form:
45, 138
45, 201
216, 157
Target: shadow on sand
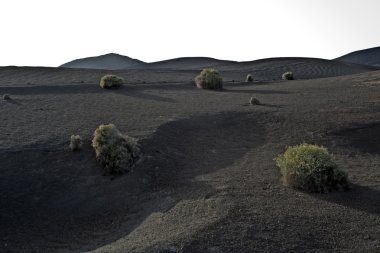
137, 91
264, 105
363, 137
254, 91
133, 91
51, 200
13, 101
358, 197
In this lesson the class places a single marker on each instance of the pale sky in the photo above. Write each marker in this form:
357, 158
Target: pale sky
52, 32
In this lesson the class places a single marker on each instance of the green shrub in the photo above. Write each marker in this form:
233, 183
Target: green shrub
249, 78
6, 97
75, 143
310, 168
254, 101
116, 152
111, 81
209, 79
288, 76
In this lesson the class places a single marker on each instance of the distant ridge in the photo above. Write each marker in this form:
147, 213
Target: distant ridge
356, 62
187, 63
118, 62
369, 57
108, 61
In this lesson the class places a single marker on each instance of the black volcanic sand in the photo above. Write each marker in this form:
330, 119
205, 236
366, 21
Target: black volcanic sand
370, 56
208, 182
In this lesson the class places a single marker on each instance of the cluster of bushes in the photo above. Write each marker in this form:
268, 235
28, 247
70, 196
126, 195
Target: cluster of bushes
306, 167
208, 79
211, 79
115, 151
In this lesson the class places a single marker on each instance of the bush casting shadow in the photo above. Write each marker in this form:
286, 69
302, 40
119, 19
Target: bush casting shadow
48, 206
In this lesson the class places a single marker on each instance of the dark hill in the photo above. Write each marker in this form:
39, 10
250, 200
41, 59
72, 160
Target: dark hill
107, 61
369, 56
188, 63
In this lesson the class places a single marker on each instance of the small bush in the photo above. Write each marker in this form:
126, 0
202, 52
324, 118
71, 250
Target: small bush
111, 81
288, 76
116, 152
209, 79
254, 101
249, 78
310, 168
6, 97
75, 143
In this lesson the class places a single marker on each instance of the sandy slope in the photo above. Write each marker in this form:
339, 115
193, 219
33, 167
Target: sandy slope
370, 56
207, 183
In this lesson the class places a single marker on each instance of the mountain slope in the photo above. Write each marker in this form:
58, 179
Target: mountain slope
107, 61
369, 56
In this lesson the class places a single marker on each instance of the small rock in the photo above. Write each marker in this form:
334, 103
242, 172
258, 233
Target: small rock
367, 237
254, 101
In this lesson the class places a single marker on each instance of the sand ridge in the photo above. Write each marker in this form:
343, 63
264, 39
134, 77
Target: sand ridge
370, 57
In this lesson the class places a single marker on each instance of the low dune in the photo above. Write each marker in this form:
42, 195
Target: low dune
207, 181
187, 63
370, 57
107, 61
302, 68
